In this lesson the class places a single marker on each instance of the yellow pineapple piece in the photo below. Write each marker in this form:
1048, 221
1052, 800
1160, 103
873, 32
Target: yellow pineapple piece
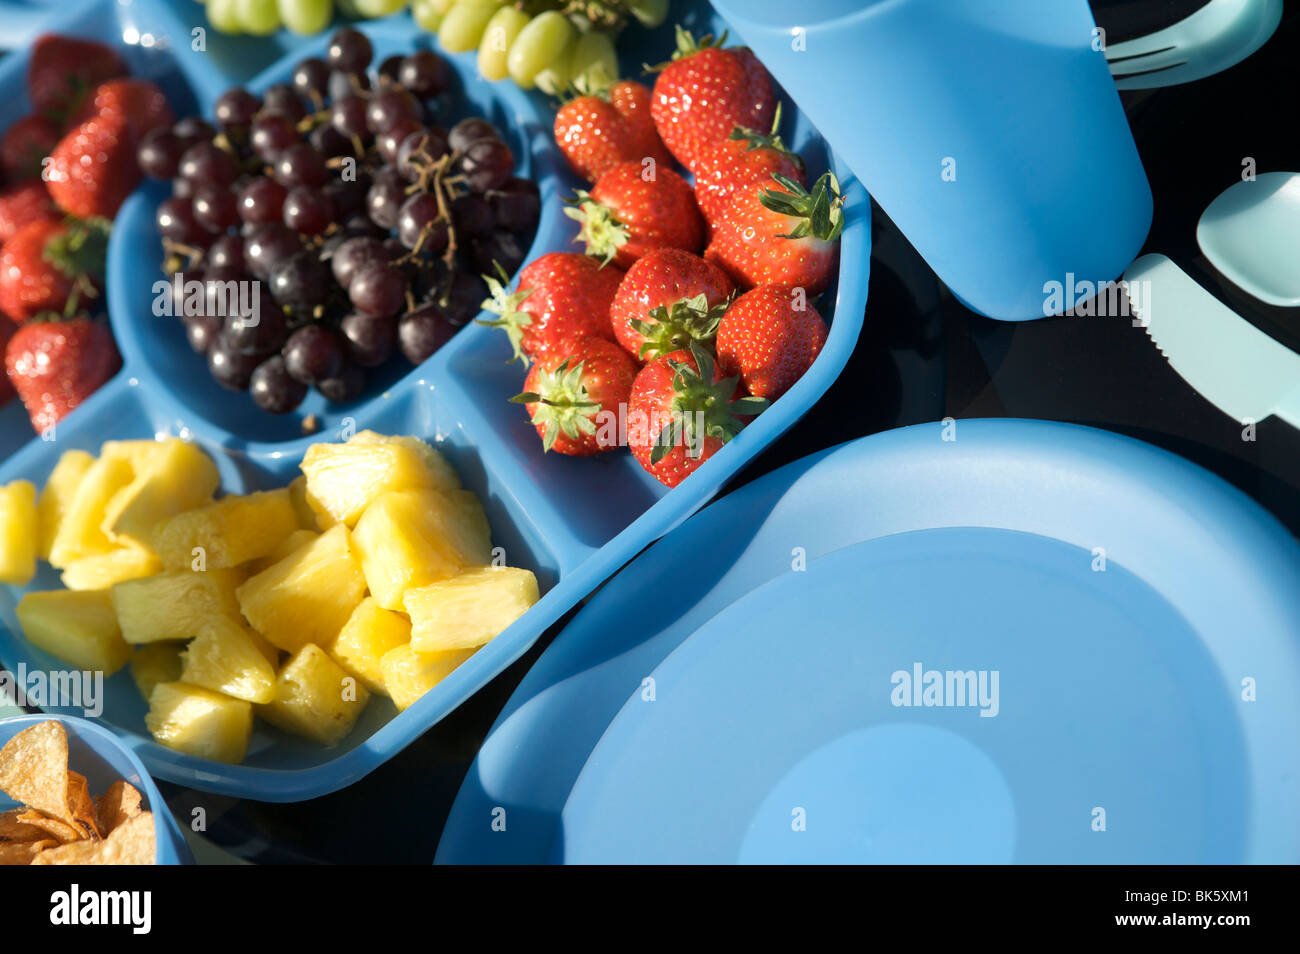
18, 532
57, 496
102, 570
343, 479
80, 533
77, 626
408, 675
225, 656
295, 540
199, 721
308, 518
315, 697
370, 632
231, 531
468, 610
174, 604
140, 454
174, 477
155, 663
307, 596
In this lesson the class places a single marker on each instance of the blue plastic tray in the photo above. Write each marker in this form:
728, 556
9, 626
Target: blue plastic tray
795, 600
573, 522
102, 757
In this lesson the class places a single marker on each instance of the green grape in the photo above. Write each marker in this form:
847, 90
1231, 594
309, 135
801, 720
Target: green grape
649, 13
426, 14
378, 8
306, 16
258, 17
542, 42
463, 24
224, 16
594, 61
348, 8
555, 79
499, 34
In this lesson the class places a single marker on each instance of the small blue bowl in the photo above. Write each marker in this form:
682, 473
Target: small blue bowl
103, 758
572, 522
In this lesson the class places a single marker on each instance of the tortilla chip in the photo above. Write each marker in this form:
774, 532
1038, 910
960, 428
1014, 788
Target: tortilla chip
115, 806
130, 843
81, 804
22, 853
60, 830
34, 770
11, 829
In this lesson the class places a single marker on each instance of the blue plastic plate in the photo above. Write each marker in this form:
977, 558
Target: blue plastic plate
573, 522
1140, 616
99, 755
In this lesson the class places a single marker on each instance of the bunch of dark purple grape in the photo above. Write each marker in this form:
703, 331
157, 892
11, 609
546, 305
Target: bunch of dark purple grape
366, 223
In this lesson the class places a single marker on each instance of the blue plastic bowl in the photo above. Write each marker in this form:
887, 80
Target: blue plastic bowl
103, 758
573, 522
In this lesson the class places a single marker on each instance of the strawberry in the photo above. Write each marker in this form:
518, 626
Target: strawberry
55, 365
705, 93
21, 204
743, 157
626, 214
561, 296
602, 129
7, 329
93, 169
63, 71
574, 394
770, 336
46, 262
139, 103
25, 144
780, 236
681, 412
668, 299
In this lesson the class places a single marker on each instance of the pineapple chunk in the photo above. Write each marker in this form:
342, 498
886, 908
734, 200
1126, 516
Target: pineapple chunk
174, 604
77, 626
315, 697
140, 454
409, 538
199, 722
56, 498
18, 532
307, 596
225, 656
101, 571
369, 633
80, 532
175, 477
408, 675
155, 663
231, 531
294, 541
343, 479
468, 610
307, 516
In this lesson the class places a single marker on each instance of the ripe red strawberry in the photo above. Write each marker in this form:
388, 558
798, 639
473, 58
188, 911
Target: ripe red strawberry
561, 296
770, 336
139, 103
42, 265
626, 214
63, 71
779, 233
22, 204
93, 168
574, 394
7, 329
668, 299
55, 365
602, 129
681, 412
705, 93
743, 157
25, 144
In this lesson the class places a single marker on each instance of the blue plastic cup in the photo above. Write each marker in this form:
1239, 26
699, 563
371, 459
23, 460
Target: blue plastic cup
103, 758
990, 131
